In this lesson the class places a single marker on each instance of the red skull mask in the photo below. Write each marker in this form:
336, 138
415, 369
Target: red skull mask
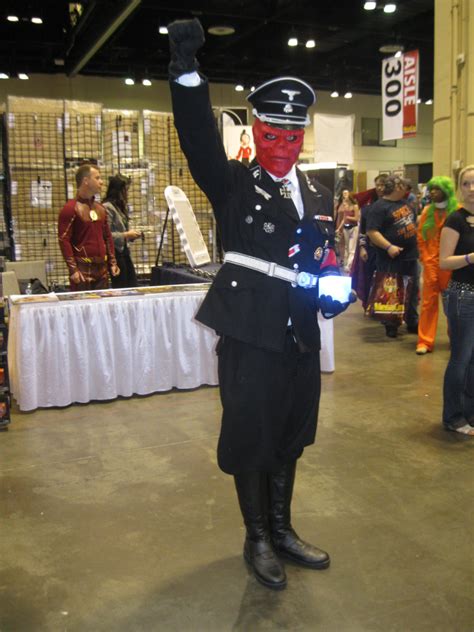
277, 149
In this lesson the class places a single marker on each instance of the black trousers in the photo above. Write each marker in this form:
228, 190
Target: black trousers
270, 404
127, 276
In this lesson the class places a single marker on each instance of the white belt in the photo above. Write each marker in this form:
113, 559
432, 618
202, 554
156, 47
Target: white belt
271, 269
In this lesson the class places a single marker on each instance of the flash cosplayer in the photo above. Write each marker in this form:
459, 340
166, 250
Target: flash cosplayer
277, 231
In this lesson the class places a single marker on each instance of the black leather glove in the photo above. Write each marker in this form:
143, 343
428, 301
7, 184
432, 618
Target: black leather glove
330, 308
186, 38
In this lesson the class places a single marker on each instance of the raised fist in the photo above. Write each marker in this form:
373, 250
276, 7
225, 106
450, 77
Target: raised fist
186, 38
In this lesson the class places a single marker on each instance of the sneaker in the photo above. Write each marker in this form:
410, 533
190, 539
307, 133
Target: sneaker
467, 429
422, 350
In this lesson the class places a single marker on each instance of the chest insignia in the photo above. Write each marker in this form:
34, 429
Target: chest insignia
268, 227
310, 185
318, 253
93, 215
260, 191
294, 250
323, 218
249, 219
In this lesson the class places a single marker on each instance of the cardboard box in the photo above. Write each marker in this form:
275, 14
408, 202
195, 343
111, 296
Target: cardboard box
83, 130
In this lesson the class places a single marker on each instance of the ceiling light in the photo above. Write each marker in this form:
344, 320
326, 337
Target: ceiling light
252, 89
392, 49
348, 95
370, 5
334, 94
390, 8
221, 29
239, 88
37, 20
429, 102
23, 76
310, 44
58, 61
13, 18
3, 75
163, 30
146, 82
129, 81
293, 41
418, 100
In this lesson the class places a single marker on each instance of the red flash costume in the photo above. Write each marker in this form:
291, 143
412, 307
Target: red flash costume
86, 242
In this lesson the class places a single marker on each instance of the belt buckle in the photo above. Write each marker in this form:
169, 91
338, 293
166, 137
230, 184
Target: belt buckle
304, 279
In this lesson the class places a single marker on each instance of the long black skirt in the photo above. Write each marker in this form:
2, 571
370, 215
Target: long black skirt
270, 405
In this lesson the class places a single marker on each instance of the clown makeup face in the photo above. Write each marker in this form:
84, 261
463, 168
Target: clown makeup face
277, 149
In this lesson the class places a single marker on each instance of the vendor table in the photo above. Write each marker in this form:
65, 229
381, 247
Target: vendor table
95, 346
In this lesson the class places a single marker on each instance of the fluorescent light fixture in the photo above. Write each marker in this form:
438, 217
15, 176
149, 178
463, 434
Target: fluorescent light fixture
23, 76
429, 102
221, 30
334, 94
252, 89
239, 88
3, 75
13, 18
146, 82
370, 5
129, 81
293, 41
310, 43
390, 8
348, 95
163, 30
37, 20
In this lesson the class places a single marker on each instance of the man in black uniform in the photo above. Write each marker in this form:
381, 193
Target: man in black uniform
278, 235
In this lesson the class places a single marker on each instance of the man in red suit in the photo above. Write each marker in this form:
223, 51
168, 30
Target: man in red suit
84, 235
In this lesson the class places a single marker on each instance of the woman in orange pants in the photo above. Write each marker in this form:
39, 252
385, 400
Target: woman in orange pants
443, 202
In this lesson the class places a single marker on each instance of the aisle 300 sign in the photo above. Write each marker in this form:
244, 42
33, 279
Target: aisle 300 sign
400, 95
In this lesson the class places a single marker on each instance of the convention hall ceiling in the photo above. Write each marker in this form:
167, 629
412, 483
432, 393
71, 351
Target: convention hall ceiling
119, 38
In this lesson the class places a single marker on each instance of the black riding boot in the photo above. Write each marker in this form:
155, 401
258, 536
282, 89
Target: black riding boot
284, 538
252, 491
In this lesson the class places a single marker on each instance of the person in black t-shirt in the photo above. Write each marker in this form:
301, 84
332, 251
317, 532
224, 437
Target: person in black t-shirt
457, 254
391, 227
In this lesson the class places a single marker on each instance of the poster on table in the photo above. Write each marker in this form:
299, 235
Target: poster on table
400, 79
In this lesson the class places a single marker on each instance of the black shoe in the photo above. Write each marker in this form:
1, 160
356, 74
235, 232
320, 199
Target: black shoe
391, 332
293, 548
265, 565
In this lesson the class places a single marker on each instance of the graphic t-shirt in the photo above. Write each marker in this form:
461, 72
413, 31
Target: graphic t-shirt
463, 223
397, 223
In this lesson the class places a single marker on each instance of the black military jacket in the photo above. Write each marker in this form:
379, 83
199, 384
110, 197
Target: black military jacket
254, 219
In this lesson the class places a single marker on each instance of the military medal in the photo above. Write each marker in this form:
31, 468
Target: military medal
318, 253
93, 215
285, 192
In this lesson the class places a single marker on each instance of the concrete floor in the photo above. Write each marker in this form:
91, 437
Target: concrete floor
115, 517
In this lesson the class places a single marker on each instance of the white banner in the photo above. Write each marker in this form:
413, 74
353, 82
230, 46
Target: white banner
400, 95
333, 138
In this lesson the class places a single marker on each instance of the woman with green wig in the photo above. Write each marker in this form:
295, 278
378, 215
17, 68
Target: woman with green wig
435, 281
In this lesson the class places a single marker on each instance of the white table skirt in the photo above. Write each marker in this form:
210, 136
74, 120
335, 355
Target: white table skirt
96, 349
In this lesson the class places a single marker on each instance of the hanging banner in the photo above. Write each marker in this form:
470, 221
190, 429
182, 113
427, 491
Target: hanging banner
400, 95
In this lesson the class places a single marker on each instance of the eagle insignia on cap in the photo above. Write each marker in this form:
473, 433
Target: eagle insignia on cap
291, 94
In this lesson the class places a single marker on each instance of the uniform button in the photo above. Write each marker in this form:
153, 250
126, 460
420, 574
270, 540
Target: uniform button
234, 283
258, 207
299, 231
295, 266
249, 219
